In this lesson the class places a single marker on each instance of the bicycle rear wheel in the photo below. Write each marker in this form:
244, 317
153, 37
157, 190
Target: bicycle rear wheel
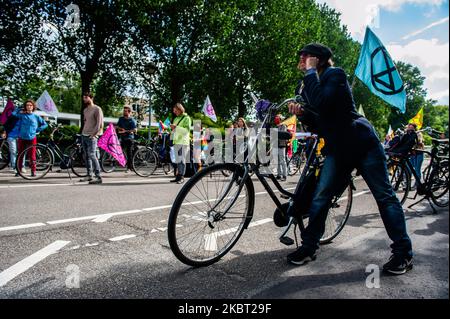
78, 161
337, 215
145, 162
400, 179
4, 154
43, 163
209, 214
439, 185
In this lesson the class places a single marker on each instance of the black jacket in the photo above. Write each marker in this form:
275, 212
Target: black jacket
334, 117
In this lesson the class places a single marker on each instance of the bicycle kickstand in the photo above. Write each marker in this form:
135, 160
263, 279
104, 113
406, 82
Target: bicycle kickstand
429, 202
285, 239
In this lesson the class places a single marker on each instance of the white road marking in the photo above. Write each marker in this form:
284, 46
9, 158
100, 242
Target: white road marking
150, 181
122, 237
354, 195
25, 264
21, 226
100, 218
211, 239
32, 185
93, 244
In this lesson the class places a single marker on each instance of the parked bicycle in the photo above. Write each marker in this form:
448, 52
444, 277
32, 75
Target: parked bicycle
212, 209
147, 159
47, 154
434, 187
297, 159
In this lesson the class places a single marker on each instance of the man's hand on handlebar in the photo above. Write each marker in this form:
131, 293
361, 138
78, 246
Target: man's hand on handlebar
295, 108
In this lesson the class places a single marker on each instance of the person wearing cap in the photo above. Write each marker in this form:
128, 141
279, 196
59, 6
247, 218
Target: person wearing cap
350, 142
282, 143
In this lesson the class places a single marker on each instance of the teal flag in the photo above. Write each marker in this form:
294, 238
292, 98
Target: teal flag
377, 71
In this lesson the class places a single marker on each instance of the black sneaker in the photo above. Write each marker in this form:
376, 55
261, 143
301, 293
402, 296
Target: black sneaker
97, 180
398, 265
176, 180
86, 179
180, 181
301, 256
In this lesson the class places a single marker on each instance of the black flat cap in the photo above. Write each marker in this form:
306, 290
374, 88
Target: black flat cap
317, 49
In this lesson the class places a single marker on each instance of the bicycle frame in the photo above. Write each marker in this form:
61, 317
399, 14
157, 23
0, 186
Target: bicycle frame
262, 177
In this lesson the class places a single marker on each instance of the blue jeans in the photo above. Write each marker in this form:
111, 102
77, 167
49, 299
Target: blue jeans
181, 155
334, 175
282, 165
416, 162
90, 150
12, 143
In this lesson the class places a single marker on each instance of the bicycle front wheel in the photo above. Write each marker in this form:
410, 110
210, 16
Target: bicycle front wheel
439, 185
210, 214
38, 161
294, 164
108, 163
145, 162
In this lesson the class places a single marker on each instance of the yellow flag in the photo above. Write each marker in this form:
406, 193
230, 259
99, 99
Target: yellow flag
291, 124
418, 119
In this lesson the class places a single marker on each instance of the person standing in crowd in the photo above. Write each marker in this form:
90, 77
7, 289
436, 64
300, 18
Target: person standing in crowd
30, 124
92, 129
351, 142
127, 127
240, 135
282, 165
180, 137
11, 134
417, 158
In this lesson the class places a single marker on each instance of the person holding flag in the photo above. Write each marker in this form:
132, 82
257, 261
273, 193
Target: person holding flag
350, 142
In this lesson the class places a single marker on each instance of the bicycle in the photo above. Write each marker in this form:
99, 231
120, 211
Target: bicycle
294, 164
45, 156
108, 163
4, 153
147, 159
212, 209
435, 187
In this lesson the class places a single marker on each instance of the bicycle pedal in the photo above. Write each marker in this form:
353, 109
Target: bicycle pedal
287, 241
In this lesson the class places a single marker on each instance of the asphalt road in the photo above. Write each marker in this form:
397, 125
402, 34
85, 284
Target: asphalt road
72, 240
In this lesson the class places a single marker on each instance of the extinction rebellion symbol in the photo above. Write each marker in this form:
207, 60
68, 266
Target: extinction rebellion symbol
113, 144
383, 86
